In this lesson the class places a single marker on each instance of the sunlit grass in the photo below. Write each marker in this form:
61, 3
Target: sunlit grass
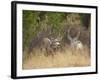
66, 58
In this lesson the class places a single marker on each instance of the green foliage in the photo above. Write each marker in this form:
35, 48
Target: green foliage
30, 26
36, 21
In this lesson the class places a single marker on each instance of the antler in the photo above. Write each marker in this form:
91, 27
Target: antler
68, 35
78, 34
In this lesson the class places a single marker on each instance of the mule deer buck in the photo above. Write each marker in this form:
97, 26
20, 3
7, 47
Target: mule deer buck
75, 43
50, 45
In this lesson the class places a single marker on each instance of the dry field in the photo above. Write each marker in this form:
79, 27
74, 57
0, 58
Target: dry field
66, 58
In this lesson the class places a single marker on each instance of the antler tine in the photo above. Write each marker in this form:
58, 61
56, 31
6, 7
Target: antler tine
78, 34
69, 37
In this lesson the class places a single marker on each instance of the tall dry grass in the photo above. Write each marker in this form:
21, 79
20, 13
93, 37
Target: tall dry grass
66, 58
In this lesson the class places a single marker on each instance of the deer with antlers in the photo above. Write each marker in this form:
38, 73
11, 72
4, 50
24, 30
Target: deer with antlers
50, 45
75, 43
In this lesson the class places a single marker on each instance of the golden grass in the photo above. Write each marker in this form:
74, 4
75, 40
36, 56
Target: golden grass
67, 58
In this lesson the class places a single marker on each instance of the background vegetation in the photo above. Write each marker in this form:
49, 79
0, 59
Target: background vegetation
51, 23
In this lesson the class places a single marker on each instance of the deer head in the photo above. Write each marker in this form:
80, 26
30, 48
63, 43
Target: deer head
74, 41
